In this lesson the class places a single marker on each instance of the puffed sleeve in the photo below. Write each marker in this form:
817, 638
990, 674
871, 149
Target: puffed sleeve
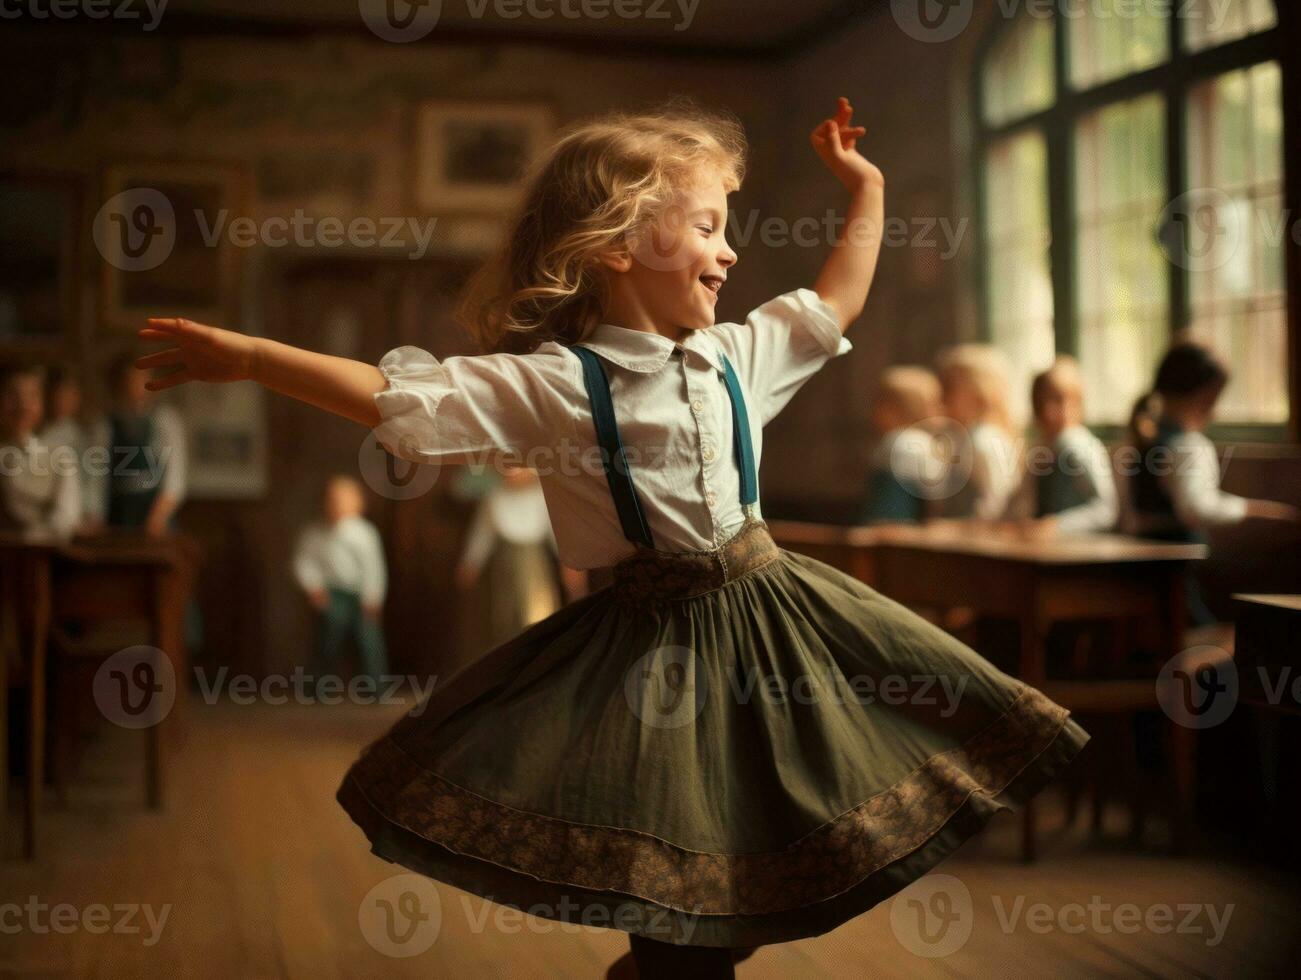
781, 345
472, 409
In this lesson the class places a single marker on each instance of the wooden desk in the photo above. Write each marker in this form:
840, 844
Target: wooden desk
24, 637
114, 576
1036, 583
1267, 651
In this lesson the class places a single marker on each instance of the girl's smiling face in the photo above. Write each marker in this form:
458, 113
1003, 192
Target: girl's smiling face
668, 283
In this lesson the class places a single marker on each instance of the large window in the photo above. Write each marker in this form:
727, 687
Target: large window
1132, 185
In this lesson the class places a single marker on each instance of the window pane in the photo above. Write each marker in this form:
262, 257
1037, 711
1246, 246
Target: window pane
1122, 298
1235, 227
1111, 38
1211, 22
1018, 74
1017, 237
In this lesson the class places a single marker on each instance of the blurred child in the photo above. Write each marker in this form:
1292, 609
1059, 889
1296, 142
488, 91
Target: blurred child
64, 427
1175, 492
340, 565
1068, 485
975, 390
904, 462
39, 492
147, 459
510, 546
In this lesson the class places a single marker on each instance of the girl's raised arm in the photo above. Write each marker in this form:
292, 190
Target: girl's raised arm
847, 274
203, 353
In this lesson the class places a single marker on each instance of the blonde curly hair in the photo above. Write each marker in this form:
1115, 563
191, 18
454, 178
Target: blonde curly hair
597, 188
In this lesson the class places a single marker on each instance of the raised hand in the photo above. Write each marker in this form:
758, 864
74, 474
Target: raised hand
835, 141
201, 353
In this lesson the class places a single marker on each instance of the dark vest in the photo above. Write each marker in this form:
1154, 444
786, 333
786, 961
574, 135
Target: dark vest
132, 486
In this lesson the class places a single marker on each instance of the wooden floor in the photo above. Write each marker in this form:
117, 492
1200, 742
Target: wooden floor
264, 876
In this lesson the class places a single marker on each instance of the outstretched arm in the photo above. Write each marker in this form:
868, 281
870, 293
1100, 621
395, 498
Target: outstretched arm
847, 274
203, 353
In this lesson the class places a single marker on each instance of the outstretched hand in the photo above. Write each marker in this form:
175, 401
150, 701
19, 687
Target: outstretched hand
201, 353
835, 141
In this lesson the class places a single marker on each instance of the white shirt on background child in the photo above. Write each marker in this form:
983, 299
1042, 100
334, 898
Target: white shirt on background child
672, 409
347, 555
40, 491
517, 515
1194, 484
995, 470
169, 450
1084, 457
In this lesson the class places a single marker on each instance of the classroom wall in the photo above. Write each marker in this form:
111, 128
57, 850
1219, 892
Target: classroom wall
78, 104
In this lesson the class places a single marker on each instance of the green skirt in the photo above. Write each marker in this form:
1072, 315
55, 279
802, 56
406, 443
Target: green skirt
725, 748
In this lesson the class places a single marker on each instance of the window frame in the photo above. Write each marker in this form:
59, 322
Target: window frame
1172, 80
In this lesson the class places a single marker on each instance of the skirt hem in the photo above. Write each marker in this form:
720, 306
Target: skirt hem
641, 916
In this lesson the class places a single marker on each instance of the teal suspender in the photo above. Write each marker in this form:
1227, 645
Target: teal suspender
741, 437
632, 516
617, 474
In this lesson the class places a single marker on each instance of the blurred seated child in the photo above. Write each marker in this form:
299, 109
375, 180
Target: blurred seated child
985, 466
145, 480
339, 563
1067, 486
904, 466
1174, 493
39, 490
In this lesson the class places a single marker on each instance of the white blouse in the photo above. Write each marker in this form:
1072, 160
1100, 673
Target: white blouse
39, 491
1086, 458
170, 451
1194, 484
674, 416
347, 555
517, 515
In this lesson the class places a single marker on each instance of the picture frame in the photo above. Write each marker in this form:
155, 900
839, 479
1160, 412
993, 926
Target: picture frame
472, 157
162, 234
40, 268
226, 434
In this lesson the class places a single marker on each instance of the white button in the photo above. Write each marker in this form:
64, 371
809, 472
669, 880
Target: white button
697, 405
707, 453
711, 498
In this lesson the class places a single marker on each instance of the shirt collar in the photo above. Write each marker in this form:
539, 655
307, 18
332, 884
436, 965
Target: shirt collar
639, 350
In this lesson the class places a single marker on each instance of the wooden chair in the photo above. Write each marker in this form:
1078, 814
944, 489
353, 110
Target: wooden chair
75, 660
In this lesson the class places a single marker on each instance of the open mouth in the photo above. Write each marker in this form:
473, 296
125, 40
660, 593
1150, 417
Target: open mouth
712, 283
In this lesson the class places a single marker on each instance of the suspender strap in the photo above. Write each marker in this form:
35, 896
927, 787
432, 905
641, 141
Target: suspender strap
741, 437
626, 502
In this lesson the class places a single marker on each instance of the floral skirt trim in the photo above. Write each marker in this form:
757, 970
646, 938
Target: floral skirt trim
824, 863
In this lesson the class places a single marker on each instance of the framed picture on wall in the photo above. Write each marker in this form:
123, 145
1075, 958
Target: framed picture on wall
165, 239
39, 217
472, 157
226, 432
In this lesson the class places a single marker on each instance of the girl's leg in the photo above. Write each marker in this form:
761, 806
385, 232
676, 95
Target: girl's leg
664, 961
